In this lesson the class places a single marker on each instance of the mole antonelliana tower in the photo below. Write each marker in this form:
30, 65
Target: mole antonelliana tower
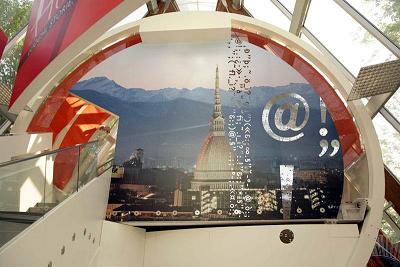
216, 166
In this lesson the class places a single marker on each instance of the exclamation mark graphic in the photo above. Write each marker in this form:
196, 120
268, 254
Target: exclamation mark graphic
323, 110
323, 131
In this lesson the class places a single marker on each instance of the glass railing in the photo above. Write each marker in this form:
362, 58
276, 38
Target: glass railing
391, 224
33, 185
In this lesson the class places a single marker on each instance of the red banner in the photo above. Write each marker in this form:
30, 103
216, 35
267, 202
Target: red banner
53, 26
3, 41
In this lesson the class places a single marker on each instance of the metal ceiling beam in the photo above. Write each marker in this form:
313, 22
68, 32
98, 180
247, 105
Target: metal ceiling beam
370, 27
227, 6
237, 4
164, 6
299, 16
152, 6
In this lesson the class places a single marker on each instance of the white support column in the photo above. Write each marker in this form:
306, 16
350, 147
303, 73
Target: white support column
299, 16
376, 102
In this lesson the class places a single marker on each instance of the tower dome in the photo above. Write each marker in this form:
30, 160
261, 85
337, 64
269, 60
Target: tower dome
216, 161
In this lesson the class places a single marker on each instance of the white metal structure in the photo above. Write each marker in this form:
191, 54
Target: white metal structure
338, 244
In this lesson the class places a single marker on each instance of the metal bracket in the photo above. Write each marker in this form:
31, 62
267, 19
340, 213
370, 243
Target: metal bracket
354, 211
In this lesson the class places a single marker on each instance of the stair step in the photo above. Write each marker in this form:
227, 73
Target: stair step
20, 217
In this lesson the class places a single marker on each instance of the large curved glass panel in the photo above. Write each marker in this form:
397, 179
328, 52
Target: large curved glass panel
390, 143
256, 138
268, 12
345, 38
383, 14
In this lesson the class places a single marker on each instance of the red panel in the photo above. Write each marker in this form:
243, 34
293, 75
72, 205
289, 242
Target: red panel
53, 26
65, 114
3, 42
80, 132
347, 131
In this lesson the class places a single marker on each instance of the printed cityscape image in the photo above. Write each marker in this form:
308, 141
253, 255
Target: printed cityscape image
211, 154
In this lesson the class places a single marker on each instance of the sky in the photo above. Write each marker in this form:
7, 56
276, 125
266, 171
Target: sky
153, 66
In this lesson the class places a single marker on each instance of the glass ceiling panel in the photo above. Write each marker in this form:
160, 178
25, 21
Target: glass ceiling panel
384, 14
344, 37
289, 4
389, 139
268, 12
393, 105
188, 5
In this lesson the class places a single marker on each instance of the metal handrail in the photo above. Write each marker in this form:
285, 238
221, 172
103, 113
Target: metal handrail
104, 164
15, 161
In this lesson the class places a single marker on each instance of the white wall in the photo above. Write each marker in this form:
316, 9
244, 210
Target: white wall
23, 185
20, 144
121, 246
252, 246
44, 240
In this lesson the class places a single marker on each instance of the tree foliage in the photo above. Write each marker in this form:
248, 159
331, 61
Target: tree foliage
391, 11
14, 15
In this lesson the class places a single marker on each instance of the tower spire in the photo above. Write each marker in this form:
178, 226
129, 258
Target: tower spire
217, 119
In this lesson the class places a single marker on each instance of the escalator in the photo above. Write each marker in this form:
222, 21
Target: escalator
386, 250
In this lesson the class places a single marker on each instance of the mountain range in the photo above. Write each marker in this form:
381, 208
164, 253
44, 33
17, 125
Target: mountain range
134, 95
170, 124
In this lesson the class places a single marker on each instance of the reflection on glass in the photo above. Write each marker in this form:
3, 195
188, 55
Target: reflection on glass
390, 143
385, 15
344, 37
87, 163
388, 228
193, 5
268, 12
